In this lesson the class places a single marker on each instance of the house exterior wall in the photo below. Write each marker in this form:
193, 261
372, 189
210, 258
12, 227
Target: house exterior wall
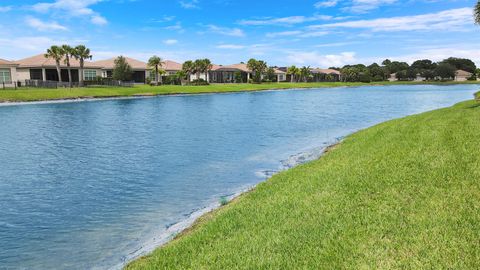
13, 76
461, 78
23, 74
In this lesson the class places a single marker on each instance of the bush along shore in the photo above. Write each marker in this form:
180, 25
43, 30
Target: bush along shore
41, 94
404, 194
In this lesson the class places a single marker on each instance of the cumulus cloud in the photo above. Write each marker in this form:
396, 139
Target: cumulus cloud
317, 59
44, 26
72, 8
453, 19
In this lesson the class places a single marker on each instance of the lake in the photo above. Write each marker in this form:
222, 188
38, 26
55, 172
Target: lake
92, 184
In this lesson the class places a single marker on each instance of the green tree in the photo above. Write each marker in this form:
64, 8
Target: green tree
476, 13
270, 75
198, 66
238, 77
461, 63
305, 72
258, 68
206, 67
122, 71
55, 53
67, 53
293, 71
156, 63
445, 71
424, 64
81, 53
189, 68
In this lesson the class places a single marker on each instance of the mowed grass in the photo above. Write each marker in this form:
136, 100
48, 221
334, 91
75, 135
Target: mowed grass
32, 94
404, 194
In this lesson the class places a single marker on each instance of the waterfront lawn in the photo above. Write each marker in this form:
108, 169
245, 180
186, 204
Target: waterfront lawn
32, 94
404, 194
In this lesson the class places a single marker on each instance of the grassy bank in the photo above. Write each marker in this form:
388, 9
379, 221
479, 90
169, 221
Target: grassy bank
404, 194
32, 94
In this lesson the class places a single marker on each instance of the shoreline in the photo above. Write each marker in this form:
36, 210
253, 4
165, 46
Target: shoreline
178, 229
230, 91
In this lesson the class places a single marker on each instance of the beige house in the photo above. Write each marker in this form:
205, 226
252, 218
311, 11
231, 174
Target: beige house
139, 68
325, 75
236, 73
44, 69
462, 75
8, 73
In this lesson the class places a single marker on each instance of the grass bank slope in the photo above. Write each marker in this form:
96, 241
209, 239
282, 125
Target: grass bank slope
404, 194
32, 94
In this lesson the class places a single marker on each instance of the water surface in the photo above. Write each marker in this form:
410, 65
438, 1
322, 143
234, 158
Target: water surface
89, 184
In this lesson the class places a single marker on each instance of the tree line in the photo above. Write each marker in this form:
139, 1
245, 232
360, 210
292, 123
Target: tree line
427, 69
66, 53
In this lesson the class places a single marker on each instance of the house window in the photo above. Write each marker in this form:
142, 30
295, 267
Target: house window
152, 75
90, 75
5, 76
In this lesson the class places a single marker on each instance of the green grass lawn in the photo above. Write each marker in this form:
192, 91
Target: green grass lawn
32, 94
404, 194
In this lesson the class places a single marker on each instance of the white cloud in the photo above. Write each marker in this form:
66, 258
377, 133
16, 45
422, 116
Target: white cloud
363, 6
286, 20
326, 3
170, 42
192, 4
72, 8
315, 59
453, 20
5, 9
44, 26
234, 32
31, 44
230, 46
98, 20
297, 34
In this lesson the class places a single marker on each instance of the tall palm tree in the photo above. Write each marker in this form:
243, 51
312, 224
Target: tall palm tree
156, 64
476, 13
305, 73
81, 53
188, 68
292, 71
198, 67
55, 53
67, 53
207, 66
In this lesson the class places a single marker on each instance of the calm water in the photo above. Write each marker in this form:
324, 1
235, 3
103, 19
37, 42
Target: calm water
88, 184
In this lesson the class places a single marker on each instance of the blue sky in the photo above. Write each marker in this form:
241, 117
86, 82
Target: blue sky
316, 33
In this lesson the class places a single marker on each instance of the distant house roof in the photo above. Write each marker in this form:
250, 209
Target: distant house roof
325, 71
4, 62
110, 63
462, 73
279, 71
235, 67
41, 61
172, 66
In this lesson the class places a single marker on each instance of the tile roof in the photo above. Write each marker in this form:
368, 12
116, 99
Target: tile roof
239, 67
325, 71
41, 61
463, 73
6, 62
110, 63
172, 66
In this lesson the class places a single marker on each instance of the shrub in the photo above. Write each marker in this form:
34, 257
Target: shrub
477, 96
199, 82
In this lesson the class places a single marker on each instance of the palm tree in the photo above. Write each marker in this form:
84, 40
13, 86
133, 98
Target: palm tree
207, 66
305, 73
156, 64
67, 52
476, 13
81, 53
198, 67
188, 67
292, 71
56, 53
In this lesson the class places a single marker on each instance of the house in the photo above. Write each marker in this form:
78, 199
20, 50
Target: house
392, 77
8, 73
325, 75
462, 75
237, 73
140, 69
44, 69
